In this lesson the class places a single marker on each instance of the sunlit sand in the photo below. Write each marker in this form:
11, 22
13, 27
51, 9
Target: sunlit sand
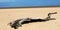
9, 15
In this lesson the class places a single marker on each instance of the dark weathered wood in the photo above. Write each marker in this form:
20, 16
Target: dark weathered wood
19, 22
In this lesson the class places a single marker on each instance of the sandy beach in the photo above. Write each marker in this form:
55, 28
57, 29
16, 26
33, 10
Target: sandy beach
9, 15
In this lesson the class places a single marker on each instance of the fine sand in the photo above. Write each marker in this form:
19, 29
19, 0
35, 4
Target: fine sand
9, 15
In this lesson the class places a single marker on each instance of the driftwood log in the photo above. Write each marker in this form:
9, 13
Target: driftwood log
19, 22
